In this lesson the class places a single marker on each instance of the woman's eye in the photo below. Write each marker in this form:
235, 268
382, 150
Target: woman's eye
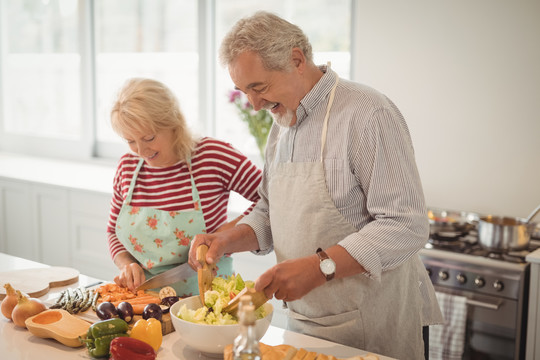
150, 138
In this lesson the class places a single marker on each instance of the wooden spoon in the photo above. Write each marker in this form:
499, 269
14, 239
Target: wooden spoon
204, 275
257, 298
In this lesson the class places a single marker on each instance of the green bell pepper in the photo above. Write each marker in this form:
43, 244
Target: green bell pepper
100, 335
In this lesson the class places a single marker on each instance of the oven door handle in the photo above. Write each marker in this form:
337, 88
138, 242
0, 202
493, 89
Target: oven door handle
483, 304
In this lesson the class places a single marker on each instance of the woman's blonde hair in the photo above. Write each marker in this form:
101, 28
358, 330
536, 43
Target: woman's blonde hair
149, 106
268, 35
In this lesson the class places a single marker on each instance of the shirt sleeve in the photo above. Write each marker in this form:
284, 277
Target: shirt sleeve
115, 246
385, 167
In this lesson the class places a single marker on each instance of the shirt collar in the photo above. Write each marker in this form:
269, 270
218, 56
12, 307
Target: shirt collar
318, 93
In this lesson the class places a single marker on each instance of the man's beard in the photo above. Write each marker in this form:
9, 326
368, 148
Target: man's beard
284, 120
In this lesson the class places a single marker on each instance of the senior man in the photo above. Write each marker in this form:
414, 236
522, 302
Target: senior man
341, 203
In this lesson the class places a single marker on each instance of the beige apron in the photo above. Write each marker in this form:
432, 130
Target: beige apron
356, 311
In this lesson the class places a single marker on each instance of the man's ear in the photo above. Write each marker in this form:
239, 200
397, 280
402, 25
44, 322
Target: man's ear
298, 59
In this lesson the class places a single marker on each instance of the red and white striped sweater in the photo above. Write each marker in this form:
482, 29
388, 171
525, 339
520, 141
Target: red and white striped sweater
217, 169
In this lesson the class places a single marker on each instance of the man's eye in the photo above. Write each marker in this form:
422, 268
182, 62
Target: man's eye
261, 90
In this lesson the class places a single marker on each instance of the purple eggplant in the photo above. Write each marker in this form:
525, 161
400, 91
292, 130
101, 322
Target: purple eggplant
106, 310
125, 311
169, 300
152, 311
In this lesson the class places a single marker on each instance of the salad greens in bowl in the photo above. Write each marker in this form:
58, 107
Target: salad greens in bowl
206, 328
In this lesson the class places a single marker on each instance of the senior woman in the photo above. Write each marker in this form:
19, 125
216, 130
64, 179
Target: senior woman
169, 188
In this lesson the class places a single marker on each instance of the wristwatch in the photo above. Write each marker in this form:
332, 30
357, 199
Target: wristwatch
327, 265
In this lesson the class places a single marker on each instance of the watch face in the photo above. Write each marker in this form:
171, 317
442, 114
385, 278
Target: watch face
328, 267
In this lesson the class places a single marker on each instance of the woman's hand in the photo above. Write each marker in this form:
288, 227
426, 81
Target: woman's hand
131, 273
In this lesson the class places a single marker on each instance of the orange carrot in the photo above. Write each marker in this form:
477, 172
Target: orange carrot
145, 300
138, 309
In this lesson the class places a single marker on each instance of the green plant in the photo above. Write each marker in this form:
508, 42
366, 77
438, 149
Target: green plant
259, 122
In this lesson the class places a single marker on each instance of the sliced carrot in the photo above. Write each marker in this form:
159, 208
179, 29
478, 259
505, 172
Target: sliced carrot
138, 309
142, 300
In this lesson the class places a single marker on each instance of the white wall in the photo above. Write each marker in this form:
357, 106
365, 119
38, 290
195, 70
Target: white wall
466, 76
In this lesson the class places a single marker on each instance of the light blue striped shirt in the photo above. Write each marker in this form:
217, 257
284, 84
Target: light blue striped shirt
370, 169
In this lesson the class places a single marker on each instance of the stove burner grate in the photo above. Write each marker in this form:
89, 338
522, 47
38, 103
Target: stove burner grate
468, 244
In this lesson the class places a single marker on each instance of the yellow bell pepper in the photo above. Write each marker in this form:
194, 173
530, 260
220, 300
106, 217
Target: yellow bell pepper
148, 331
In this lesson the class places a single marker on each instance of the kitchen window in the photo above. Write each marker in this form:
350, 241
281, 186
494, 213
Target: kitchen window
62, 62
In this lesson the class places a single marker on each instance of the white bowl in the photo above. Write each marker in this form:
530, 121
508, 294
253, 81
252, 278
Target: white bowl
211, 339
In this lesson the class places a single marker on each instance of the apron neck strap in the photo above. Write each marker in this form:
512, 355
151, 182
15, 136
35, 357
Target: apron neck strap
328, 107
133, 181
194, 191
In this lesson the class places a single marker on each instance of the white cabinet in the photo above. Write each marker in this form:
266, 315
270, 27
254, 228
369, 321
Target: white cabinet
51, 219
34, 220
56, 225
17, 230
89, 215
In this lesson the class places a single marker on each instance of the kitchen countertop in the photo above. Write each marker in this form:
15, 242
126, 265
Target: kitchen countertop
534, 257
17, 343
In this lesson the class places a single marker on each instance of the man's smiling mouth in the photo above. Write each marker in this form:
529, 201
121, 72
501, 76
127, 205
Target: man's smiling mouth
271, 106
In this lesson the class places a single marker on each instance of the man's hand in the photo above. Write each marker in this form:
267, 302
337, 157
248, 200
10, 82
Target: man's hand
291, 279
213, 254
235, 239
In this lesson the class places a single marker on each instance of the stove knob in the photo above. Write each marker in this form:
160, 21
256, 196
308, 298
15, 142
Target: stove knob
479, 282
461, 278
498, 285
443, 275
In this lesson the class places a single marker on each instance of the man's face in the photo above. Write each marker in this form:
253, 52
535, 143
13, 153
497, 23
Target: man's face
279, 92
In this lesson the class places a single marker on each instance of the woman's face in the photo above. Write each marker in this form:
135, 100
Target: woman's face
156, 149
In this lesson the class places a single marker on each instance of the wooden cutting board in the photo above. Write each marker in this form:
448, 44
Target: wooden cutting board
91, 316
37, 282
166, 322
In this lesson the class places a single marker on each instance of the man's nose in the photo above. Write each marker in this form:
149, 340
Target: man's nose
255, 100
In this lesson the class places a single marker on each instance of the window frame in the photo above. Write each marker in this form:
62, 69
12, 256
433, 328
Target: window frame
87, 147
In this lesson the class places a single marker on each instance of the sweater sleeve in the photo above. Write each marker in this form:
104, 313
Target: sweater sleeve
246, 180
115, 246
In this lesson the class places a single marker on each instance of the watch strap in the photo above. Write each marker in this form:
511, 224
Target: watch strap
322, 257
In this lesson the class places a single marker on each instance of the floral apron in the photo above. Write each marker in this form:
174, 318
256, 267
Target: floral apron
355, 311
160, 240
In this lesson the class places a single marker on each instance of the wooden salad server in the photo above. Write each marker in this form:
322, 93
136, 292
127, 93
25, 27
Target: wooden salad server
205, 275
258, 298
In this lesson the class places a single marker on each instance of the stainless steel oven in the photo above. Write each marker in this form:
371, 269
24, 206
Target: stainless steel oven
496, 287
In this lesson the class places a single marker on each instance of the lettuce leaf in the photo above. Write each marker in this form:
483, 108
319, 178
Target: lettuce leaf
217, 298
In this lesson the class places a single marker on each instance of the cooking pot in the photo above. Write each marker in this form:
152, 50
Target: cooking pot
451, 223
500, 234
